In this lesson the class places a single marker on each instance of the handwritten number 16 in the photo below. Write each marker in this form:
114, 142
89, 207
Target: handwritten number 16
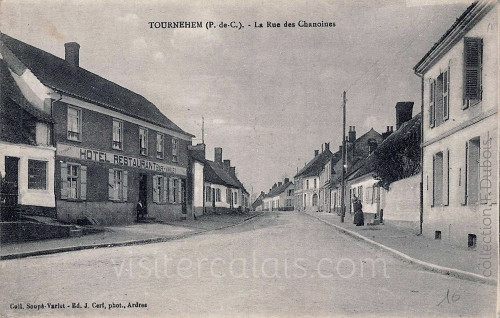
454, 298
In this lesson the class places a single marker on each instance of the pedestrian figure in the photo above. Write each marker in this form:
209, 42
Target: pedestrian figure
140, 210
359, 218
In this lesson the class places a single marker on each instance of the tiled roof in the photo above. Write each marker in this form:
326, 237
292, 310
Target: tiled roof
12, 91
314, 166
217, 174
57, 74
278, 189
403, 134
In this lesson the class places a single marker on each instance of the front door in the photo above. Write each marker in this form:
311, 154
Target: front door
12, 180
183, 196
143, 191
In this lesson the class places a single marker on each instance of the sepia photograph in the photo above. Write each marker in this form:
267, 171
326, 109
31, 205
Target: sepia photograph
257, 158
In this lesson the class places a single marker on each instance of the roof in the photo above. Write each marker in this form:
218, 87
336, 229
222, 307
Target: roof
278, 189
470, 14
314, 166
216, 173
403, 134
13, 92
59, 75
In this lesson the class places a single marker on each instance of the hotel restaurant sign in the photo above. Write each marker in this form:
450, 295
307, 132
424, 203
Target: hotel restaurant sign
117, 159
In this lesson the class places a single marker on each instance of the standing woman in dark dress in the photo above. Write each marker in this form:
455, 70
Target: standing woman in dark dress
359, 219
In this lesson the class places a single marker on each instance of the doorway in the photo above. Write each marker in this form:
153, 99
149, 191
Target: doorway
183, 196
143, 191
12, 180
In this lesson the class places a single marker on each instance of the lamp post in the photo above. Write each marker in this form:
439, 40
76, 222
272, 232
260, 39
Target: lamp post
342, 196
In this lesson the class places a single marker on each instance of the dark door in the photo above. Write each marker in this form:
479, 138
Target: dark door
12, 180
143, 191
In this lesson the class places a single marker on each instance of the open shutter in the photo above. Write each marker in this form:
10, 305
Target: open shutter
446, 94
125, 186
432, 103
171, 190
83, 182
463, 178
111, 185
446, 178
156, 194
64, 180
165, 189
431, 188
472, 68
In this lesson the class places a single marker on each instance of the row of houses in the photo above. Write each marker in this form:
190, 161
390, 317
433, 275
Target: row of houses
437, 172
279, 198
74, 145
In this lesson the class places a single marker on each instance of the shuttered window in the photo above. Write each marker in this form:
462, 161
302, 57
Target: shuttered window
118, 185
73, 181
432, 103
446, 94
473, 53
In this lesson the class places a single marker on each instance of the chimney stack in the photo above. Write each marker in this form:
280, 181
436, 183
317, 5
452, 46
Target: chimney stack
227, 164
352, 133
218, 155
287, 180
232, 171
340, 149
274, 185
316, 152
404, 112
199, 149
280, 184
72, 54
327, 146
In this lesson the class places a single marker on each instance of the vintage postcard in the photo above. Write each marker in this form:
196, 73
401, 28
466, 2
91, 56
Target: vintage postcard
254, 158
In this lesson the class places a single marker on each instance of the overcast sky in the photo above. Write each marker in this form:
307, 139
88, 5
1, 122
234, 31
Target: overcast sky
270, 97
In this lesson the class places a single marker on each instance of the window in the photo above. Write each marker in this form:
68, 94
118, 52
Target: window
307, 184
473, 60
208, 194
117, 134
117, 187
37, 174
175, 149
74, 123
228, 196
160, 189
159, 146
446, 93
439, 104
175, 191
315, 200
437, 180
315, 185
143, 141
472, 181
73, 181
218, 195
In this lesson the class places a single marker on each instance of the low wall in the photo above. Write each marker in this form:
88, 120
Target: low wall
402, 203
11, 232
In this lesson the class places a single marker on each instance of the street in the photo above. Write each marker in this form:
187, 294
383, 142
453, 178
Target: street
278, 264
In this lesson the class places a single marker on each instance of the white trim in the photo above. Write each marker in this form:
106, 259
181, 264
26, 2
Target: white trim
117, 115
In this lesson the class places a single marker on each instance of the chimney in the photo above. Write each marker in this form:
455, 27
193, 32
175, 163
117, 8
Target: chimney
322, 148
274, 185
227, 164
218, 155
387, 133
340, 149
198, 149
316, 152
232, 171
280, 184
327, 146
287, 180
352, 133
72, 54
403, 113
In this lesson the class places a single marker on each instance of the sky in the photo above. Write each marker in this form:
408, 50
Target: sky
269, 96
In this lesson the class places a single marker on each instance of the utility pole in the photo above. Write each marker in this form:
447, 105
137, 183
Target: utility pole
203, 130
342, 196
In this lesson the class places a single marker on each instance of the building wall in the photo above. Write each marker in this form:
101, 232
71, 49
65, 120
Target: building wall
454, 217
96, 135
30, 197
198, 186
401, 203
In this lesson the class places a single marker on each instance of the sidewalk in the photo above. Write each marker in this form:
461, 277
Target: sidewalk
430, 254
141, 233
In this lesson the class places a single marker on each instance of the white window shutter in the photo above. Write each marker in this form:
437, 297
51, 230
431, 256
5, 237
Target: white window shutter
125, 186
171, 188
156, 194
64, 180
83, 182
111, 185
446, 178
165, 189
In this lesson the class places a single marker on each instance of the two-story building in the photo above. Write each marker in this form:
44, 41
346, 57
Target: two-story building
280, 197
460, 136
114, 148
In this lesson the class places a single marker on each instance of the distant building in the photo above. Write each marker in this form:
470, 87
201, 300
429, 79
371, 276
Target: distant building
460, 136
389, 178
114, 148
280, 197
307, 185
216, 188
257, 205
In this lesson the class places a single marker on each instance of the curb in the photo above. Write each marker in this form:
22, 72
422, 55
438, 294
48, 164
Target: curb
118, 244
421, 264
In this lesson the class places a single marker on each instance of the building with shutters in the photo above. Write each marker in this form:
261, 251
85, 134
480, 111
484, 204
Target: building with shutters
460, 130
114, 148
216, 187
280, 197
